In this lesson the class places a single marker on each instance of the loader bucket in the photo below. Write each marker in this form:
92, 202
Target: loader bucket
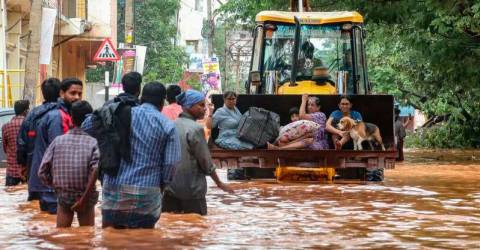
376, 109
303, 174
313, 165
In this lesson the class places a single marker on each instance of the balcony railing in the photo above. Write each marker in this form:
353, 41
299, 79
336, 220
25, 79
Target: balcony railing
74, 8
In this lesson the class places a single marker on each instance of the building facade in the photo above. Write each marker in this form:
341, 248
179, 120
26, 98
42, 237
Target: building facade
80, 27
191, 18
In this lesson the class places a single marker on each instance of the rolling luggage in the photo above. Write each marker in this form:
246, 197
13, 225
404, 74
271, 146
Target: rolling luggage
259, 126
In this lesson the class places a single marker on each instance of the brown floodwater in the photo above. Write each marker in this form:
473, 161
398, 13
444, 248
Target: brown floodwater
431, 201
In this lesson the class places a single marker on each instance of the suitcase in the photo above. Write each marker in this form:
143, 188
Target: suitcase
259, 126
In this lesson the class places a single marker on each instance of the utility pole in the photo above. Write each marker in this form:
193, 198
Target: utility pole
225, 56
211, 29
33, 52
129, 22
237, 75
3, 52
129, 61
300, 5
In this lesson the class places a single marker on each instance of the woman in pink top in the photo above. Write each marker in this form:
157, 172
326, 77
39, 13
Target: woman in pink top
172, 110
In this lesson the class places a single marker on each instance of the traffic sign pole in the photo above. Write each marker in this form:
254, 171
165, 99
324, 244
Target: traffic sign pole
107, 85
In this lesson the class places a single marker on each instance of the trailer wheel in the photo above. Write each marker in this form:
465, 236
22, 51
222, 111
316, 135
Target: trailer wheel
375, 174
236, 174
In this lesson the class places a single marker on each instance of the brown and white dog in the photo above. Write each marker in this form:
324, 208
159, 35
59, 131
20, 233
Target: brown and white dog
361, 131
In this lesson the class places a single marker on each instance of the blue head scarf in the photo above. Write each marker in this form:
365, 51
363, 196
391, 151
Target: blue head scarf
189, 98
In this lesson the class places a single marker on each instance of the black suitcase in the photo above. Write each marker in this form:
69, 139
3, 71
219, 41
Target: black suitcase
259, 126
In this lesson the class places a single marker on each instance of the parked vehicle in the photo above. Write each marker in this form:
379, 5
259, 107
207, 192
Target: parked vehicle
6, 114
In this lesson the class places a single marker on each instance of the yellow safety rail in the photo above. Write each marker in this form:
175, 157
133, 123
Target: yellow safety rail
81, 9
14, 89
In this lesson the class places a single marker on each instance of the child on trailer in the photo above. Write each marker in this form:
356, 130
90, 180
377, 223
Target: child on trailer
70, 166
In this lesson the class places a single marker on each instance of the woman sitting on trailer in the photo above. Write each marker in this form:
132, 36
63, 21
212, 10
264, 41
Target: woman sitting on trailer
340, 137
227, 119
315, 139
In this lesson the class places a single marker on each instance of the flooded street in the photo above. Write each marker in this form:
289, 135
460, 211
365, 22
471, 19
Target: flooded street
430, 201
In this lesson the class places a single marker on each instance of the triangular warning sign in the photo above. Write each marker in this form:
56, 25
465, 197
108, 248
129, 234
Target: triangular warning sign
106, 52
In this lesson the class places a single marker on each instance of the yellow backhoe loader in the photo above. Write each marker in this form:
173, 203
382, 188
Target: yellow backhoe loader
316, 53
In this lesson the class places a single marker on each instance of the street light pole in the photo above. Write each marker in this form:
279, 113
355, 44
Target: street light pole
129, 22
210, 29
3, 49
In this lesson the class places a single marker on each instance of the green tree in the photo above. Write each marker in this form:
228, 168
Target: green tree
425, 53
219, 45
155, 27
430, 64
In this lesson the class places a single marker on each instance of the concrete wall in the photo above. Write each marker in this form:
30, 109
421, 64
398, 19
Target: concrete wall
191, 15
190, 21
103, 16
90, 94
70, 58
13, 48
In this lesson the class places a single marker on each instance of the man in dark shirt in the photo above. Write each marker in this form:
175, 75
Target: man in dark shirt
26, 137
54, 123
15, 172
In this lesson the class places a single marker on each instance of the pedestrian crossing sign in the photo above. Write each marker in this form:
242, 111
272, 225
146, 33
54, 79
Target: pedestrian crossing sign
106, 52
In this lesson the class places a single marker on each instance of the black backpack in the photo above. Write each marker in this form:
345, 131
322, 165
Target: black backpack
111, 124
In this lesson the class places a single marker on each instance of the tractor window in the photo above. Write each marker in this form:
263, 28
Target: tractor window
257, 45
360, 62
277, 61
256, 61
325, 46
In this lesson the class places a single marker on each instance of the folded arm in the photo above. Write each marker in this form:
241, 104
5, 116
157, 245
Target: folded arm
45, 170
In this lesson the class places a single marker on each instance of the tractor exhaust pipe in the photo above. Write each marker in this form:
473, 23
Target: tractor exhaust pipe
299, 5
296, 47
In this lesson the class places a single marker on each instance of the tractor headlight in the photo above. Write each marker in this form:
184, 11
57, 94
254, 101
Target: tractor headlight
347, 26
255, 78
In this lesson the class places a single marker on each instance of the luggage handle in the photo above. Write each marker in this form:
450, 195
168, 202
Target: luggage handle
264, 125
263, 128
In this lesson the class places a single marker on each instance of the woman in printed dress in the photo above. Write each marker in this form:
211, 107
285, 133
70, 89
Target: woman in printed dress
316, 141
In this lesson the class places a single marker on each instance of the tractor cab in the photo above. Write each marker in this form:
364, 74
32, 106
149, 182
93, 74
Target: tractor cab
308, 52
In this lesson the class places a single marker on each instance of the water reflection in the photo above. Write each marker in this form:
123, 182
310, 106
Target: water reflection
423, 203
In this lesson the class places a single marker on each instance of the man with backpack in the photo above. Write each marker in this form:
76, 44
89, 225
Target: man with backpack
131, 83
111, 125
26, 136
55, 122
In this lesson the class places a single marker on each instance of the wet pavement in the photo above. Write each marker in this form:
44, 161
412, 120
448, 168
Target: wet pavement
431, 201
